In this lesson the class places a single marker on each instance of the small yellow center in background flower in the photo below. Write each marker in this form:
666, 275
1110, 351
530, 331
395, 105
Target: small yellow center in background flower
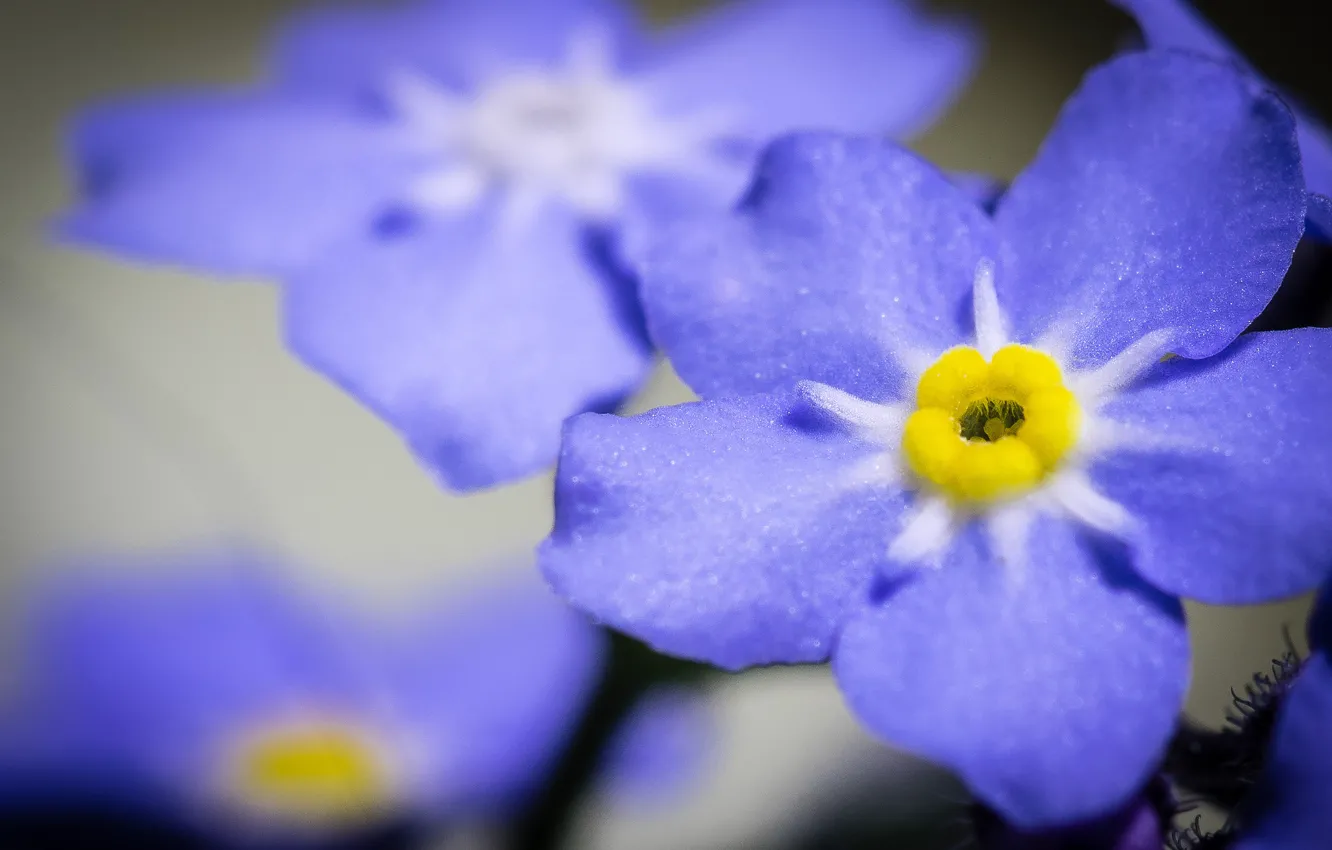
984, 431
313, 773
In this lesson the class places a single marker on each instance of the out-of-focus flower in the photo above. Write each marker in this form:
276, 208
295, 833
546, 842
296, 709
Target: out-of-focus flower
955, 453
1292, 803
1176, 24
662, 747
438, 184
219, 695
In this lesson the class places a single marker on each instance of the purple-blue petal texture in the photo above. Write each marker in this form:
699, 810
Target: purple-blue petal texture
354, 48
489, 683
237, 184
844, 250
774, 66
706, 529
1177, 24
1051, 689
1168, 195
654, 202
1233, 499
475, 343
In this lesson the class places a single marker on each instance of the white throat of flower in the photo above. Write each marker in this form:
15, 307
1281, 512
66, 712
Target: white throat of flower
570, 134
1066, 491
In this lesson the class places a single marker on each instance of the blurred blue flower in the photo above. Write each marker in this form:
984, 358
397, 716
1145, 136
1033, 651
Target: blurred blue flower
1020, 518
1176, 24
1292, 803
661, 749
217, 695
442, 186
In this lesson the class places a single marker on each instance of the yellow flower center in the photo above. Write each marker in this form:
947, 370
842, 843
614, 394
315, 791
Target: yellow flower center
989, 430
312, 772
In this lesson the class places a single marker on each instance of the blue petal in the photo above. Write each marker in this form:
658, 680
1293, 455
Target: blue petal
120, 136
1176, 24
1052, 691
1292, 804
844, 250
473, 343
1233, 508
656, 202
723, 531
459, 42
229, 183
488, 685
1168, 195
662, 748
774, 66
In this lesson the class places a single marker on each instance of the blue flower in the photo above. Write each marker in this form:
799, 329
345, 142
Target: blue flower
443, 186
1292, 804
984, 508
217, 695
1176, 24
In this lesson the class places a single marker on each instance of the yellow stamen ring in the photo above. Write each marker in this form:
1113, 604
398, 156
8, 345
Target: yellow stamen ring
984, 431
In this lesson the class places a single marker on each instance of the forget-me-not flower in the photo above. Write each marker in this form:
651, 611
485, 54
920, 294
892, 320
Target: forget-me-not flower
1176, 24
438, 184
955, 452
220, 696
1292, 803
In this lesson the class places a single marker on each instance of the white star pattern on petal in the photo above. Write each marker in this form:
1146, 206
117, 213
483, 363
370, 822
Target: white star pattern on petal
572, 134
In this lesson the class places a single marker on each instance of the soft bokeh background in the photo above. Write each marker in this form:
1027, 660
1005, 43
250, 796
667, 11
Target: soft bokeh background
143, 408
